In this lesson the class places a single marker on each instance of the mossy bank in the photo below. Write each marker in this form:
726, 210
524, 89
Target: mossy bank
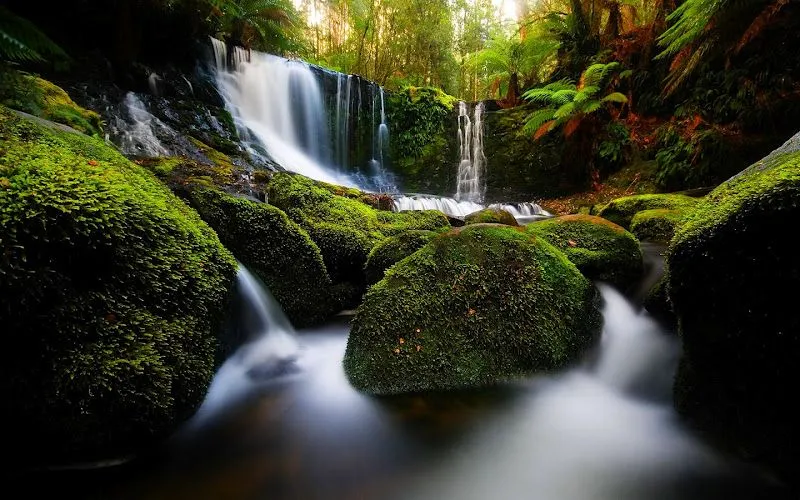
112, 291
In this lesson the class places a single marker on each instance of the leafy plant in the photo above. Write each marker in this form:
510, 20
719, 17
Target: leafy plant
260, 24
22, 41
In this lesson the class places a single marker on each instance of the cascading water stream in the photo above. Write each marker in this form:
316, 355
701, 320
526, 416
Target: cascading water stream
277, 106
270, 347
135, 135
469, 184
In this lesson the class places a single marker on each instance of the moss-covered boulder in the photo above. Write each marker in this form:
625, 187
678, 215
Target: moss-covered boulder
601, 249
658, 224
734, 276
276, 249
392, 250
44, 99
656, 302
476, 305
621, 210
344, 228
112, 290
491, 216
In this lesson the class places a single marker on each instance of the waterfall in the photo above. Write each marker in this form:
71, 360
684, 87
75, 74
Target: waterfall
270, 349
472, 160
342, 124
523, 212
135, 135
277, 105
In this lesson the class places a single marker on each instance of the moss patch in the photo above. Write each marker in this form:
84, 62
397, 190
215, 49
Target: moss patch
112, 291
44, 99
276, 249
621, 210
344, 228
491, 215
476, 305
733, 275
658, 224
392, 250
601, 249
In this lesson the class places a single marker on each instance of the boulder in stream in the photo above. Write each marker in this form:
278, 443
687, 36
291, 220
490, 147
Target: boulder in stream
476, 305
733, 280
491, 215
621, 210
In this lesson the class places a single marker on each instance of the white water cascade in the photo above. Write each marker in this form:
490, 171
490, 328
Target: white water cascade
136, 134
277, 105
469, 186
380, 141
270, 349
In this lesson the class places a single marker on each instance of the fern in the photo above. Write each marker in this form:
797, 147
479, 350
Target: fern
22, 41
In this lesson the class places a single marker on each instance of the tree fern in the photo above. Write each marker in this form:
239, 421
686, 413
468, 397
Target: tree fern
22, 41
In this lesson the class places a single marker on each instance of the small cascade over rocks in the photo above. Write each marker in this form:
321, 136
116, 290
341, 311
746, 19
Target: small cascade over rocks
523, 212
270, 349
470, 182
135, 129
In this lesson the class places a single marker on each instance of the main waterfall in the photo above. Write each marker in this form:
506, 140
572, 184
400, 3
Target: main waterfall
470, 184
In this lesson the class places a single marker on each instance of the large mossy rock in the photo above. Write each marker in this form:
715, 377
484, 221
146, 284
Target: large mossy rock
657, 225
112, 290
600, 249
621, 210
344, 228
734, 276
491, 216
276, 249
392, 250
41, 98
474, 306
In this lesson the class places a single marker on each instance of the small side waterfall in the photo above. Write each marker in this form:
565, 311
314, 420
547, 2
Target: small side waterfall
135, 135
380, 141
472, 160
342, 123
270, 349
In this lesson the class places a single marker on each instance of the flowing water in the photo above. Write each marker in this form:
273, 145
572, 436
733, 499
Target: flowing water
470, 184
282, 422
523, 212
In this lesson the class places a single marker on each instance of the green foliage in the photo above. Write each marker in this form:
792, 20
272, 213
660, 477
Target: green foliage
491, 215
474, 306
271, 25
392, 250
702, 159
563, 101
112, 291
614, 150
420, 119
601, 250
276, 249
44, 99
622, 210
22, 41
732, 273
658, 224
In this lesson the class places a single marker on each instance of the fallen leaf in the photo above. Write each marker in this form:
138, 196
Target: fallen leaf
402, 340
92, 163
397, 351
419, 348
572, 243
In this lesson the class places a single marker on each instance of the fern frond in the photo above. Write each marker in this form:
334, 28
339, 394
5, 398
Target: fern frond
760, 23
21, 40
615, 97
587, 93
564, 111
539, 95
563, 96
536, 119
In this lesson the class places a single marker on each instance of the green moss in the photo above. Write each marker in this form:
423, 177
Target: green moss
601, 249
344, 228
733, 277
44, 99
621, 210
423, 136
475, 305
220, 160
658, 224
491, 215
112, 291
162, 167
657, 303
276, 249
392, 250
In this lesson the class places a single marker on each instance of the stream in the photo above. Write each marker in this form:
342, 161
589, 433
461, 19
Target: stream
282, 422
